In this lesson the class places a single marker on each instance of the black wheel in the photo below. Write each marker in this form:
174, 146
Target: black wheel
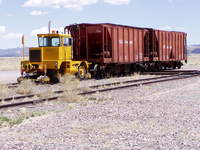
174, 66
179, 66
81, 72
54, 76
108, 75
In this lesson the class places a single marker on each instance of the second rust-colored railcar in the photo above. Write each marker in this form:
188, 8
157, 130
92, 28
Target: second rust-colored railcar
115, 45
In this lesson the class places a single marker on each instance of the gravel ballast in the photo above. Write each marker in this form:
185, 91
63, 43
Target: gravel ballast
161, 116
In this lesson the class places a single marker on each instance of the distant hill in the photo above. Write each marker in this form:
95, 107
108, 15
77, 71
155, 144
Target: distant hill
194, 49
13, 52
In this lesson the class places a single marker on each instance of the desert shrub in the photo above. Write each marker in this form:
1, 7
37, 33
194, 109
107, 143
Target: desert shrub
47, 94
70, 82
8, 122
136, 75
4, 92
70, 85
25, 87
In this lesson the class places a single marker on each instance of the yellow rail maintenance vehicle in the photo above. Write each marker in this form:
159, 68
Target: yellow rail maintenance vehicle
52, 58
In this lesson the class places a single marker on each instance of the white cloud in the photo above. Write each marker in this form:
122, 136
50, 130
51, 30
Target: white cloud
172, 28
73, 4
117, 2
44, 30
2, 29
12, 35
39, 31
38, 13
9, 35
0, 2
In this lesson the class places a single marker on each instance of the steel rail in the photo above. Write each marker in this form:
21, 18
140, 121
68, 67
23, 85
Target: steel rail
94, 86
138, 84
164, 72
98, 91
131, 81
168, 72
28, 102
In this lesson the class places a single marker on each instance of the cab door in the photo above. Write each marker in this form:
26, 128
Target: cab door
67, 48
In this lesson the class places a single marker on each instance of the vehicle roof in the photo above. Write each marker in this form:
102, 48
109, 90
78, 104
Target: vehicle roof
119, 25
54, 35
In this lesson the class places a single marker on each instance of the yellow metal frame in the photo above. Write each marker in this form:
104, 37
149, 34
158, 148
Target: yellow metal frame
54, 58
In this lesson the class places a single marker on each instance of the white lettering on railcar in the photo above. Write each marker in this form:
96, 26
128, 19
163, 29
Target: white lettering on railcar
120, 41
167, 46
98, 31
125, 42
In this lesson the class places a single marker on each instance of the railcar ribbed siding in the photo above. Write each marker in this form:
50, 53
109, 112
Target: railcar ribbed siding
109, 43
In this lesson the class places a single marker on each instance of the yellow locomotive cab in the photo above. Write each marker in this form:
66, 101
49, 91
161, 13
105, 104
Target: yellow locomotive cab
53, 57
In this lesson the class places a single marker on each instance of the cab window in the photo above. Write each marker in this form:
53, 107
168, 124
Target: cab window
41, 42
49, 41
55, 42
67, 41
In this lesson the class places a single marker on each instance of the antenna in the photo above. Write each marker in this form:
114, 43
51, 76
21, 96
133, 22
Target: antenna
49, 27
23, 49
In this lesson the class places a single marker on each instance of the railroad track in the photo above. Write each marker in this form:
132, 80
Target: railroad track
105, 87
95, 86
12, 85
170, 72
165, 72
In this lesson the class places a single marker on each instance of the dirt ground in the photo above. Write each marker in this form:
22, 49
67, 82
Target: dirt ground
9, 76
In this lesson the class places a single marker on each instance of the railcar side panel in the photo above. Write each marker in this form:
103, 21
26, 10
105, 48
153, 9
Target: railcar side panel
140, 50
126, 44
171, 45
131, 45
109, 43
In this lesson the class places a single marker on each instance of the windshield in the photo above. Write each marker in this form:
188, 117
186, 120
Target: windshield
49, 41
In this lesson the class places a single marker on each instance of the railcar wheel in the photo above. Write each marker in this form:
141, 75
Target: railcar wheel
54, 76
179, 65
81, 72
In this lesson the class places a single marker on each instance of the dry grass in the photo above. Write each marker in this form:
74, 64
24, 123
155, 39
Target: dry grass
4, 92
45, 95
6, 121
70, 85
9, 63
136, 75
99, 98
26, 87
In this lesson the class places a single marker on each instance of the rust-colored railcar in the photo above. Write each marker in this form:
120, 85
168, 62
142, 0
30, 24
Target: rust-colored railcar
110, 44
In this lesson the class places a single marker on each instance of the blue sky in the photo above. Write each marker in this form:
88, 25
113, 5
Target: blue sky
30, 17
